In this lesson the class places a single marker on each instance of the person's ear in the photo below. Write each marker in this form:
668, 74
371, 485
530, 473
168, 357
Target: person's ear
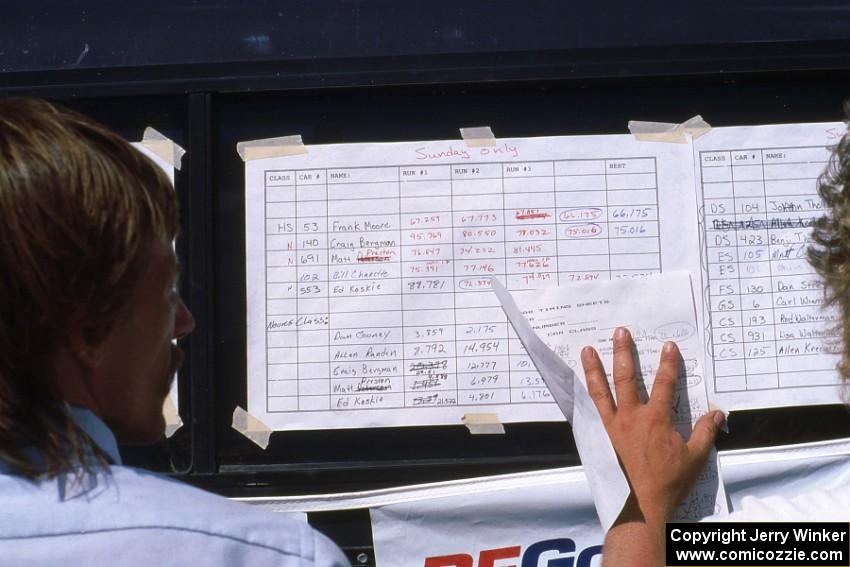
82, 344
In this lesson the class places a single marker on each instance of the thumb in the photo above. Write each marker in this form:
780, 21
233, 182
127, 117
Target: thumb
704, 433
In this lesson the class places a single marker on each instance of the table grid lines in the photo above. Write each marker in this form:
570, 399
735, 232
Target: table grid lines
757, 215
770, 273
472, 353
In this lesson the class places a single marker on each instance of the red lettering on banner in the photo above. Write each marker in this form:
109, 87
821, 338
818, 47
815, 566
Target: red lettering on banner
457, 560
488, 557
565, 548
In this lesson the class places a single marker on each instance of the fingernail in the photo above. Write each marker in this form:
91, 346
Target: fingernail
588, 352
621, 333
719, 418
669, 346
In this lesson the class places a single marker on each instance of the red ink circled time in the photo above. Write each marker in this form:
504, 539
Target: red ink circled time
474, 283
579, 214
585, 230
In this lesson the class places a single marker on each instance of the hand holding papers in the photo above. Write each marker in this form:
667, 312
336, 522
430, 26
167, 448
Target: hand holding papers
656, 309
607, 483
661, 466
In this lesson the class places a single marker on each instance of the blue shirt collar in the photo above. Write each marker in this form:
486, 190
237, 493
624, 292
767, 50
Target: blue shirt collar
98, 431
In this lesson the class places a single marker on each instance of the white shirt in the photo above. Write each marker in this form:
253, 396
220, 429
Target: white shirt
134, 517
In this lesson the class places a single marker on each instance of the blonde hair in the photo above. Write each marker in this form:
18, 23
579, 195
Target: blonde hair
77, 206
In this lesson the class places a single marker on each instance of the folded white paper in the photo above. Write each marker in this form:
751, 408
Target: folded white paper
556, 322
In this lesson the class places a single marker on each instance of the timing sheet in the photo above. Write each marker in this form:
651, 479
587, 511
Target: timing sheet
369, 266
771, 341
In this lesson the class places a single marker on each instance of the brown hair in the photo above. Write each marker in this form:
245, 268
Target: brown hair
78, 204
830, 252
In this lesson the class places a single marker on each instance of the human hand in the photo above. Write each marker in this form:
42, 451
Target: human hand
660, 466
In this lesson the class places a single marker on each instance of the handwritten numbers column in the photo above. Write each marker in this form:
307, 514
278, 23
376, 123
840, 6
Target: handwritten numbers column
723, 280
633, 217
755, 268
428, 286
532, 257
582, 213
479, 252
805, 331
281, 283
530, 225
363, 224
312, 271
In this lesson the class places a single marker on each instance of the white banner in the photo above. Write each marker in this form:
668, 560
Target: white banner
530, 525
545, 518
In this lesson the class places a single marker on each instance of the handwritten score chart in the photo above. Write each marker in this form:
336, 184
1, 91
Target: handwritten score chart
772, 342
369, 266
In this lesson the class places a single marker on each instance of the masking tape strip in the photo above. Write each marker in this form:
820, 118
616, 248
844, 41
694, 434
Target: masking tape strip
271, 147
666, 132
483, 423
251, 427
478, 136
712, 407
172, 417
162, 146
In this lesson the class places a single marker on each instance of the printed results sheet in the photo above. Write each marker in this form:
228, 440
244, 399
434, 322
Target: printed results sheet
770, 341
369, 265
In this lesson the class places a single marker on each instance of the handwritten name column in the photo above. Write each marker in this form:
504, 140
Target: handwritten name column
805, 333
363, 226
